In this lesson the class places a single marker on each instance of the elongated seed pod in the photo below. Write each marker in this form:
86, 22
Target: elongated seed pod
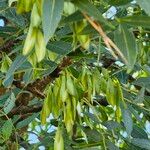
28, 5
40, 46
35, 16
30, 41
59, 142
20, 6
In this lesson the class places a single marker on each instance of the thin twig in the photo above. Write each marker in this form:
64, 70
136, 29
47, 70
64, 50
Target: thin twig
108, 42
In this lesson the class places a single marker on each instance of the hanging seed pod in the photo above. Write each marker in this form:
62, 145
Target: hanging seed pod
79, 108
30, 40
70, 85
40, 46
74, 107
90, 87
20, 6
84, 79
28, 5
59, 141
110, 93
33, 59
83, 39
39, 6
68, 117
56, 91
35, 16
63, 89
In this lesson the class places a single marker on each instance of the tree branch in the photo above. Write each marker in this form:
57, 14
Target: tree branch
108, 42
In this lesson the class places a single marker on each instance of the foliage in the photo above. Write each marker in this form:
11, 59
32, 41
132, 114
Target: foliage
75, 74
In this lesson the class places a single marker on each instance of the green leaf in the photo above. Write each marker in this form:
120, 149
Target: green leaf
26, 121
3, 3
143, 143
9, 104
71, 88
13, 17
143, 21
28, 76
7, 129
142, 82
110, 93
138, 132
126, 42
145, 5
92, 135
127, 120
76, 16
111, 125
86, 7
14, 66
60, 47
51, 15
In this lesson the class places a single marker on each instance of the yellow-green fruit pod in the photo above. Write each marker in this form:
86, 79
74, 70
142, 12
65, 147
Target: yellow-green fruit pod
40, 46
59, 142
110, 93
69, 8
74, 107
35, 16
28, 5
20, 6
39, 6
30, 41
70, 85
84, 41
63, 89
33, 59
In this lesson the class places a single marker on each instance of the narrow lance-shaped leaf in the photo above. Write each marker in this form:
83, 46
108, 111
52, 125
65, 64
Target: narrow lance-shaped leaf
125, 40
143, 143
26, 121
7, 129
127, 120
139, 132
51, 15
9, 104
143, 21
14, 66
